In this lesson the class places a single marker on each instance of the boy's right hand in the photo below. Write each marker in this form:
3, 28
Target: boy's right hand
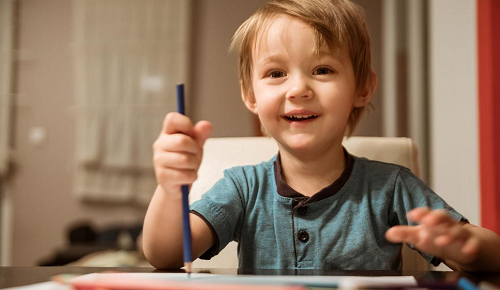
178, 151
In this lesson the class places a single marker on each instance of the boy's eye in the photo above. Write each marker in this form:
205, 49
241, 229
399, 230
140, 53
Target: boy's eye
323, 71
276, 74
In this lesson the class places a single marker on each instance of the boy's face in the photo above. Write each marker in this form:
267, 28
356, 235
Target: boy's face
303, 100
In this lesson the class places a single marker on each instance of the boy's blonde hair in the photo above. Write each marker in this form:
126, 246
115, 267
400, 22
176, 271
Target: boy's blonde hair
339, 24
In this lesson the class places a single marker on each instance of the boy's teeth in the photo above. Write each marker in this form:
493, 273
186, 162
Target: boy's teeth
300, 116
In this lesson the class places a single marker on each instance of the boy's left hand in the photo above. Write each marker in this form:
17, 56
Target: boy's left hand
437, 234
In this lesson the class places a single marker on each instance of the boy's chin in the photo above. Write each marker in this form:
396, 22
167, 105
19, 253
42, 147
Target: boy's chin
300, 143
305, 143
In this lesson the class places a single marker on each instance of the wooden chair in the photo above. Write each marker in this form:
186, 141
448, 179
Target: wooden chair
223, 153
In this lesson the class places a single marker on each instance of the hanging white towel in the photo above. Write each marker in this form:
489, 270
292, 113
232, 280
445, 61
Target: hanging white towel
129, 56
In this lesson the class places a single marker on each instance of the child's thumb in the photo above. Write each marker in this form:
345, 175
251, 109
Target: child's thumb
202, 130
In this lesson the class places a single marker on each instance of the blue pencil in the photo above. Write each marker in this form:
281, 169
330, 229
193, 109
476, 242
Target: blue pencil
466, 284
186, 226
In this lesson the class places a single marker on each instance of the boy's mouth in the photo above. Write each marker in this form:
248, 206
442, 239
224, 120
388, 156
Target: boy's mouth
298, 118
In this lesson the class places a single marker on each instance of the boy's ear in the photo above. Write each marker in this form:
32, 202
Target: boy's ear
249, 101
364, 96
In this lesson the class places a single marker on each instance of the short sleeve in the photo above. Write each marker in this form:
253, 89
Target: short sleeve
409, 193
222, 209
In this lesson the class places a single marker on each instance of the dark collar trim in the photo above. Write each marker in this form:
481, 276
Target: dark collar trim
285, 190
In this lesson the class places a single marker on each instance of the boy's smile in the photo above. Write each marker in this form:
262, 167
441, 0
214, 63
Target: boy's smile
301, 116
303, 98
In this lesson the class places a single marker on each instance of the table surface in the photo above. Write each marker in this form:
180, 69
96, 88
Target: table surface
19, 276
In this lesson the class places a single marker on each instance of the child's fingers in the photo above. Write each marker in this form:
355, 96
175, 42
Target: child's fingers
176, 143
438, 217
430, 217
453, 233
419, 236
471, 246
178, 151
463, 238
438, 234
436, 222
443, 240
202, 130
177, 123
418, 214
401, 234
442, 229
177, 160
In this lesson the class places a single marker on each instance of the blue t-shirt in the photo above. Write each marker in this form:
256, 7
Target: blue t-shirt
344, 231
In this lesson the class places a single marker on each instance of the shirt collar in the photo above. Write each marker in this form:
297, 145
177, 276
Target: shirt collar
285, 190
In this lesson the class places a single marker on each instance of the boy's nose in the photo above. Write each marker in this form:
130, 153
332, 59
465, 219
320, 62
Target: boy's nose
299, 88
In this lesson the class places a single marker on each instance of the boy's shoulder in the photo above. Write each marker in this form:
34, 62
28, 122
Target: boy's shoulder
247, 170
374, 174
378, 169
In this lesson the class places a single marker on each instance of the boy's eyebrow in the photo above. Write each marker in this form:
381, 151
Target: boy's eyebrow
279, 58
327, 53
337, 57
270, 58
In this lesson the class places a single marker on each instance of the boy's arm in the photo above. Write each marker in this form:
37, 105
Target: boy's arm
177, 157
162, 233
461, 246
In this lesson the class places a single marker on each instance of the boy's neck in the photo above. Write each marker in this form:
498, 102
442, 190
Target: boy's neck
310, 172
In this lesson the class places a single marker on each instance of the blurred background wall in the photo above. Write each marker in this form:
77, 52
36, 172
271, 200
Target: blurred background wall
38, 204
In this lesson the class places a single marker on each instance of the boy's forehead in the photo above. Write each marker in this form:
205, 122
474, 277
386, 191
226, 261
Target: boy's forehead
278, 33
281, 32
266, 35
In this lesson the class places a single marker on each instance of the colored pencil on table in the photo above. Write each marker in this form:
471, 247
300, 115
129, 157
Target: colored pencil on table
186, 226
466, 284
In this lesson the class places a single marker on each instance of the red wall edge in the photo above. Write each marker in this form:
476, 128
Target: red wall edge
488, 28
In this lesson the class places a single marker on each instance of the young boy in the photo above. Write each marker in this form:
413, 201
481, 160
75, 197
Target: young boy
305, 71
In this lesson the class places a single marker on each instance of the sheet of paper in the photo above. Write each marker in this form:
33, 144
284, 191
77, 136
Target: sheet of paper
210, 279
51, 285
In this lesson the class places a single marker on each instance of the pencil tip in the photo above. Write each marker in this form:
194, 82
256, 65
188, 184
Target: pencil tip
187, 268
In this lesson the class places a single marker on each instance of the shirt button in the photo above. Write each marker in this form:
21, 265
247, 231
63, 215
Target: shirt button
302, 210
303, 236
